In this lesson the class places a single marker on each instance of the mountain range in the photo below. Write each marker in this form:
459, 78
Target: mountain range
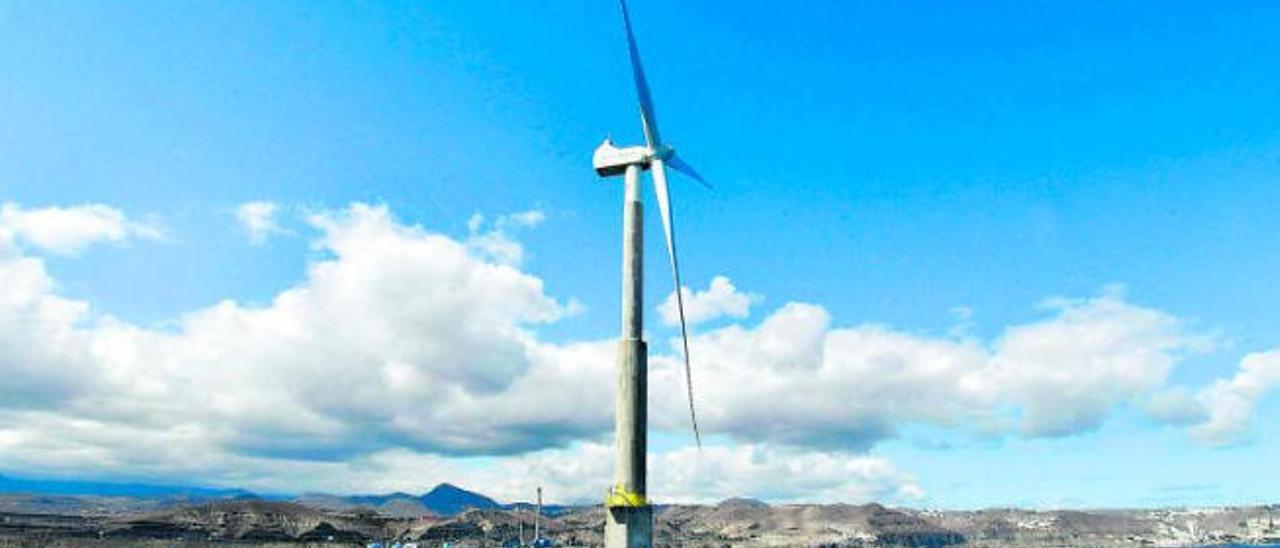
442, 500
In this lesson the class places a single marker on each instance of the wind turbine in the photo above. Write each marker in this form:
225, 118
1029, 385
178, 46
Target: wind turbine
629, 522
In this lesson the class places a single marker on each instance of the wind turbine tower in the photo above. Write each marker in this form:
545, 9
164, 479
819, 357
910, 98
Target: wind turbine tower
629, 518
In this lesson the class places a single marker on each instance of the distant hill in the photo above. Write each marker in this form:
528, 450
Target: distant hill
10, 484
742, 502
449, 500
444, 500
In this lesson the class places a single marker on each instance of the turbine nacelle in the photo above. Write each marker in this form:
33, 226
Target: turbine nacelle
610, 160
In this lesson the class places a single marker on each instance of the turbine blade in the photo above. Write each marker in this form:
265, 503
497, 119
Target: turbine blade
648, 119
682, 166
659, 174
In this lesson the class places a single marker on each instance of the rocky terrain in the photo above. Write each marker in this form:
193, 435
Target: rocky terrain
52, 520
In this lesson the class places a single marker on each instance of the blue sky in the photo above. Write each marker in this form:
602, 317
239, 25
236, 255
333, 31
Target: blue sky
929, 170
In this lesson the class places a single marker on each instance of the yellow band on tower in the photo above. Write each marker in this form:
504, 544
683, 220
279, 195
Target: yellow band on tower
619, 496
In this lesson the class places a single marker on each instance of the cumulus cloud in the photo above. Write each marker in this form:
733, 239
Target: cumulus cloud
44, 356
69, 230
259, 220
1230, 402
497, 243
720, 299
400, 337
1175, 406
796, 380
1067, 373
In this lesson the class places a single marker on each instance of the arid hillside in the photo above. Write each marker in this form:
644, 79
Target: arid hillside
29, 520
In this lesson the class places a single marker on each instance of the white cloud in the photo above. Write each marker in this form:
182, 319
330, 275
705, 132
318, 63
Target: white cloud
1175, 405
720, 299
498, 247
400, 338
43, 355
259, 219
796, 380
1230, 403
497, 243
68, 230
1068, 373
523, 219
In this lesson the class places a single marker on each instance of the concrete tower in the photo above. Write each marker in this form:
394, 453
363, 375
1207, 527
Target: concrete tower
629, 519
